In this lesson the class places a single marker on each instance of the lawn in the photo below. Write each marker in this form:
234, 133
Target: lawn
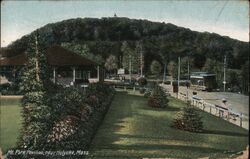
10, 119
131, 129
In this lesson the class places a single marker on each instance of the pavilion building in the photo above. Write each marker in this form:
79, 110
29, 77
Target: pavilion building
68, 67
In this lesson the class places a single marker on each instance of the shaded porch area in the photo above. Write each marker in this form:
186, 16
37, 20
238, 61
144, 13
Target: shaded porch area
69, 68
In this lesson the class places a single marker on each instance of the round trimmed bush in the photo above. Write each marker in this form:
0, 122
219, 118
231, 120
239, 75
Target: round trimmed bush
188, 120
147, 93
142, 81
142, 90
158, 98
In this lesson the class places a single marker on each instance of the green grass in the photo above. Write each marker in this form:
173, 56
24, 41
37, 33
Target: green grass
131, 129
10, 119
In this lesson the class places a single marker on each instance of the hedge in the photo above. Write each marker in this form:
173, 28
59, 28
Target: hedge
75, 116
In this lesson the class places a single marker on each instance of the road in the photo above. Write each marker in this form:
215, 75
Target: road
236, 102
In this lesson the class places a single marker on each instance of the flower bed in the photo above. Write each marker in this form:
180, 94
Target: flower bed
74, 117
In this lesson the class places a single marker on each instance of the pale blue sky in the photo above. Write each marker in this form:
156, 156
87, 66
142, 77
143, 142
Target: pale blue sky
228, 18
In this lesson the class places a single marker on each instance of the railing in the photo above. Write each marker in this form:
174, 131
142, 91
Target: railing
222, 112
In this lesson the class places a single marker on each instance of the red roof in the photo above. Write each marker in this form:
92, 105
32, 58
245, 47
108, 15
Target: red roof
8, 52
17, 60
56, 56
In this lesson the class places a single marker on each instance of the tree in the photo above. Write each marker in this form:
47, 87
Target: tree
155, 67
158, 98
188, 119
83, 50
245, 78
111, 63
233, 81
172, 69
199, 61
35, 111
186, 65
140, 52
215, 67
130, 57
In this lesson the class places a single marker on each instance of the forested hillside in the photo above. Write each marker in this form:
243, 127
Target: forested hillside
156, 41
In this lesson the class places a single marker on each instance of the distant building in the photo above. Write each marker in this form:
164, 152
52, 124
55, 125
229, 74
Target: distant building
67, 67
203, 81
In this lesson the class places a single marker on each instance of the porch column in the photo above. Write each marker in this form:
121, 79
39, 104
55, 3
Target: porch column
74, 74
14, 73
88, 74
54, 74
98, 73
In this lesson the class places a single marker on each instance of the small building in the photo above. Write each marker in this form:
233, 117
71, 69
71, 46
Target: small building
68, 68
203, 81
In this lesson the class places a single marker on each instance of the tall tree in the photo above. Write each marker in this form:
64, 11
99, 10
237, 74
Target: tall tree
245, 78
111, 63
155, 67
233, 81
140, 52
35, 111
130, 57
83, 50
215, 67
172, 69
199, 61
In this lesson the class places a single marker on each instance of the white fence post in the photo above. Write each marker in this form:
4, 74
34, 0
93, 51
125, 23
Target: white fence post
240, 119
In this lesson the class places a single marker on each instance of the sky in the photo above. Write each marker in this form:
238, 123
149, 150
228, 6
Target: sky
224, 17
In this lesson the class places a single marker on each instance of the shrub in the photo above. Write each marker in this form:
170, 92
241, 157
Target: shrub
84, 111
73, 118
188, 120
167, 82
142, 90
142, 81
9, 89
158, 98
63, 128
147, 93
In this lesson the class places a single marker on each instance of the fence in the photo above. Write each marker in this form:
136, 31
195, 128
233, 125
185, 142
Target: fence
217, 110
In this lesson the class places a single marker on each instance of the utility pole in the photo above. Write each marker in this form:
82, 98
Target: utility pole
141, 59
37, 69
141, 62
224, 81
164, 73
187, 82
120, 59
179, 70
188, 70
130, 68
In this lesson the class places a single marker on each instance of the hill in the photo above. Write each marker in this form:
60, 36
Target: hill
158, 41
